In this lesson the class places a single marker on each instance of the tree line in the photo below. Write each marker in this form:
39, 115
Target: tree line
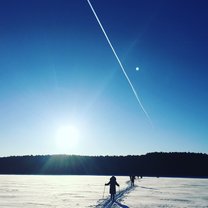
156, 164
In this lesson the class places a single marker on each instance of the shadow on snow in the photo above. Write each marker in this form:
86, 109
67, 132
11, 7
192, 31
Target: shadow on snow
108, 203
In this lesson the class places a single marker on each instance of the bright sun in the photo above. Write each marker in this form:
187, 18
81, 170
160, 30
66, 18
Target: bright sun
67, 137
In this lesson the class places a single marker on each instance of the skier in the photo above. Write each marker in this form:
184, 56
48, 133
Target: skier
132, 178
113, 183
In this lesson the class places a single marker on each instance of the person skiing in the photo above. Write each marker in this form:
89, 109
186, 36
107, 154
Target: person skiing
132, 178
113, 183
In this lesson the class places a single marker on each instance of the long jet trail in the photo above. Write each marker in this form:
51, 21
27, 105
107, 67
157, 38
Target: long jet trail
122, 68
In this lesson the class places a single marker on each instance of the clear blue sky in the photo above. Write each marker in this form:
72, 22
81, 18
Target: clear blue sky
59, 78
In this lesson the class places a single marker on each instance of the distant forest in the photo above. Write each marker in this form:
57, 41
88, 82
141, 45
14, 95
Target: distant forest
152, 164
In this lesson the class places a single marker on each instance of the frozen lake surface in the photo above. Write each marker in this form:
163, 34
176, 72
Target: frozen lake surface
89, 191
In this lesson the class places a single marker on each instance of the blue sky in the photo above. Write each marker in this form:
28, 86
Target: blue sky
62, 90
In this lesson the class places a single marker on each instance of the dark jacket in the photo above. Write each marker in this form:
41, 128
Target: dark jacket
112, 184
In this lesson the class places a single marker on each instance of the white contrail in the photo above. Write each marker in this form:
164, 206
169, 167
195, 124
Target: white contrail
129, 81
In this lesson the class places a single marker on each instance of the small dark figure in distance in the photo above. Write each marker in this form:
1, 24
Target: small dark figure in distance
132, 178
113, 183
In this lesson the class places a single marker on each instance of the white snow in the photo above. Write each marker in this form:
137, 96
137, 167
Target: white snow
168, 192
89, 191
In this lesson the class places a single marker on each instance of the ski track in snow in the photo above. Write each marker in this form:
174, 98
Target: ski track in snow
108, 203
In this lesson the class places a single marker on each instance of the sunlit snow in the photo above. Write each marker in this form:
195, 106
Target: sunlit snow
89, 191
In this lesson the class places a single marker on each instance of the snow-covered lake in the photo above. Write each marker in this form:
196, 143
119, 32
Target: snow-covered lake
89, 191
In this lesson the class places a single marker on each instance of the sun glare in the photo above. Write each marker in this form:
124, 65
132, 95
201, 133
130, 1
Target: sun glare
67, 137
